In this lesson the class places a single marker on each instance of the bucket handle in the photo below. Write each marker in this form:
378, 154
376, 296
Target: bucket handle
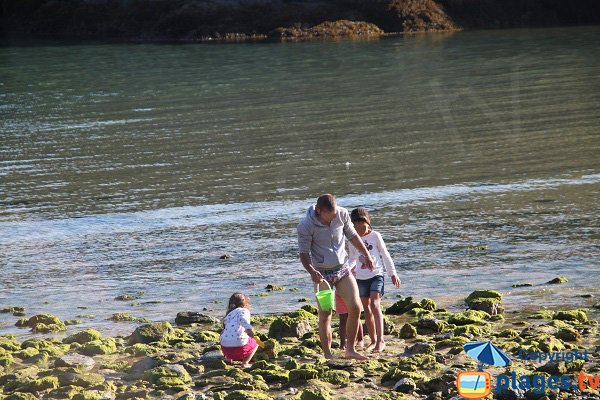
319, 285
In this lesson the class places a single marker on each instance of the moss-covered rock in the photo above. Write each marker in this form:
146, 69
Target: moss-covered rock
45, 323
9, 342
571, 315
26, 353
558, 280
208, 336
83, 337
394, 374
568, 335
169, 377
408, 331
468, 317
154, 332
304, 373
335, 377
483, 294
246, 395
72, 377
402, 306
270, 350
542, 314
294, 324
97, 347
22, 323
39, 385
475, 330
6, 359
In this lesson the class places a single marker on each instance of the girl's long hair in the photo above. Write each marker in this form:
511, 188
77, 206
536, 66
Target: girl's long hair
237, 300
361, 214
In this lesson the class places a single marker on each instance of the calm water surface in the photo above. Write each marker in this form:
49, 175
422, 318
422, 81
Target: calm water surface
131, 168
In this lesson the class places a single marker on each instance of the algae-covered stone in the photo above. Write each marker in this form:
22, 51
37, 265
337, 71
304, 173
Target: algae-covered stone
558, 280
295, 324
393, 375
191, 317
26, 353
140, 349
335, 377
475, 330
154, 332
9, 342
508, 333
483, 294
45, 323
427, 326
408, 331
21, 396
22, 323
402, 306
247, 395
169, 376
274, 288
418, 362
84, 380
83, 337
571, 315
427, 304
291, 364
419, 348
273, 375
315, 393
208, 336
405, 385
542, 314
6, 359
310, 308
549, 343
39, 385
270, 350
568, 335
468, 317
303, 374
97, 347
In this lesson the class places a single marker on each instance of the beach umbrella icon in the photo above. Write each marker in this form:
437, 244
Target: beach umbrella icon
487, 353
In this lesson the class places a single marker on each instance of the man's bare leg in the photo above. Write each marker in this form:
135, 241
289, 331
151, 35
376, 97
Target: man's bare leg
325, 332
348, 290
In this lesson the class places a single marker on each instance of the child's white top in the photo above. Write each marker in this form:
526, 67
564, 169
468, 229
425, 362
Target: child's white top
236, 323
374, 243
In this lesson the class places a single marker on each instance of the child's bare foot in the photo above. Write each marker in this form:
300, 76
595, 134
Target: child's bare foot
360, 344
379, 347
328, 355
370, 347
343, 347
246, 365
228, 361
351, 354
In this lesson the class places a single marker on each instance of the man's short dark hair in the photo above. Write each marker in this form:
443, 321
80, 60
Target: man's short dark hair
326, 201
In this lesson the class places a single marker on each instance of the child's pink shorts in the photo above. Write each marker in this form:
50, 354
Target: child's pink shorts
241, 352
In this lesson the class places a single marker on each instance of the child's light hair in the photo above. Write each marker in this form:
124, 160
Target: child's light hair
236, 300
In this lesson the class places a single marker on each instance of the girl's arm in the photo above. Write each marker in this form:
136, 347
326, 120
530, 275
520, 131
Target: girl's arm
387, 260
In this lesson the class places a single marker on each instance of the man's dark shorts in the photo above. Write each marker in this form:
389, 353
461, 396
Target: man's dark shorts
366, 286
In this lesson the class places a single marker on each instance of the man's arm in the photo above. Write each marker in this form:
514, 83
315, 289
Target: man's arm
314, 274
360, 246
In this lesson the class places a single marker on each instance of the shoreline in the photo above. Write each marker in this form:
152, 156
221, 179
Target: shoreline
172, 361
232, 21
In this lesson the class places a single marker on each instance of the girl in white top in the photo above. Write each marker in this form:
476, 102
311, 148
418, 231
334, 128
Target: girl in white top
237, 339
370, 281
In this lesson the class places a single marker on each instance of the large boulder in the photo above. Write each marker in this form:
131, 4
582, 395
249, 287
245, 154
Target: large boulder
192, 317
294, 324
489, 301
154, 332
83, 337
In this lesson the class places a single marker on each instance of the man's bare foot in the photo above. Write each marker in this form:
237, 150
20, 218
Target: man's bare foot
328, 355
354, 355
379, 347
370, 347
